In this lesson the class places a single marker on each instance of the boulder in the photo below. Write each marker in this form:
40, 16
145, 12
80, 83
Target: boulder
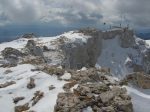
45, 48
8, 52
22, 108
53, 70
67, 102
31, 84
51, 87
6, 84
37, 97
17, 99
123, 105
107, 96
12, 55
32, 49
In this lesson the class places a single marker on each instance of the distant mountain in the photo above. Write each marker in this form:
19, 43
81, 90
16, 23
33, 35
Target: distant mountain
143, 33
9, 33
145, 36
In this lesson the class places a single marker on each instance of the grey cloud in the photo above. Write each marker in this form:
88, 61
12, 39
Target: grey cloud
136, 11
19, 10
70, 12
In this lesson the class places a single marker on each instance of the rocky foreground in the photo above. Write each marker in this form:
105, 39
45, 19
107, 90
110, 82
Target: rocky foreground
79, 71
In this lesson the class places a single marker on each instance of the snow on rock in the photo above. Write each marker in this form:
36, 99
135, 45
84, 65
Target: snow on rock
115, 57
21, 75
66, 76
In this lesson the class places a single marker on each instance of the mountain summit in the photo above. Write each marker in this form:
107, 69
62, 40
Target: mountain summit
85, 70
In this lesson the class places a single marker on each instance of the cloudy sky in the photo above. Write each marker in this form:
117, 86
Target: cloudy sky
74, 13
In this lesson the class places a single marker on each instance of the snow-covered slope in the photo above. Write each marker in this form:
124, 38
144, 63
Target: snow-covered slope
21, 74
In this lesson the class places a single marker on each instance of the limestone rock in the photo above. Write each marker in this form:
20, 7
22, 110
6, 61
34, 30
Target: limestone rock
33, 49
97, 95
107, 96
37, 96
6, 84
8, 52
78, 55
51, 87
124, 105
22, 108
53, 70
34, 60
17, 99
12, 55
31, 84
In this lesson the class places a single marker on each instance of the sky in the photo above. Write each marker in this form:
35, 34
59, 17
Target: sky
53, 16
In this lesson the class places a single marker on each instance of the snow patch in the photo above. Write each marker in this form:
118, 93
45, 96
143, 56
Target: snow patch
66, 76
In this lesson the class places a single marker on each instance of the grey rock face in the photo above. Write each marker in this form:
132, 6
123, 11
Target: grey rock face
33, 49
126, 37
78, 55
146, 61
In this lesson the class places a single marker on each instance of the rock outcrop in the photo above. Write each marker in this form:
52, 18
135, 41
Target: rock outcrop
78, 55
31, 84
94, 90
22, 108
11, 55
33, 49
105, 102
8, 51
6, 84
86, 54
126, 36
